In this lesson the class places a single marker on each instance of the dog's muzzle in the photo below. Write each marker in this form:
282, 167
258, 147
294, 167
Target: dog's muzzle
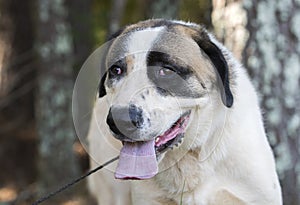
138, 156
124, 122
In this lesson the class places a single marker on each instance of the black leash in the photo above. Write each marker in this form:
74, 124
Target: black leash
66, 186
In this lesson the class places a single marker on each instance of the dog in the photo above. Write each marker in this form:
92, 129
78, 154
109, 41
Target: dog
185, 119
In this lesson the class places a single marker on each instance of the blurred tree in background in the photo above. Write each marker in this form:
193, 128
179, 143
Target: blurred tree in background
44, 43
229, 20
17, 92
55, 83
272, 55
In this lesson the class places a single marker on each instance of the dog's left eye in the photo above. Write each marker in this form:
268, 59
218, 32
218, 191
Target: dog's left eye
166, 72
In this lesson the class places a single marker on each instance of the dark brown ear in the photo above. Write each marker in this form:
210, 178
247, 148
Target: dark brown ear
218, 60
101, 87
102, 91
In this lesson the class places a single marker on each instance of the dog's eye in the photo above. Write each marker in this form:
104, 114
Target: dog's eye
166, 72
116, 70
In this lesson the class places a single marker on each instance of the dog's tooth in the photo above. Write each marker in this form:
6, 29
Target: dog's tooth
157, 139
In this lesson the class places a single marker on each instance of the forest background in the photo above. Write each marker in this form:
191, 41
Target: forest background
43, 45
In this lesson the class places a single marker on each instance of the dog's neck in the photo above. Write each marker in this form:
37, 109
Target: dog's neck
185, 180
205, 159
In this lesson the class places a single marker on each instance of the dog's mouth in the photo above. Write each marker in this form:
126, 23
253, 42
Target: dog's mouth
138, 160
173, 136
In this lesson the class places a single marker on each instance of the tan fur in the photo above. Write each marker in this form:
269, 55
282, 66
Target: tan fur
129, 62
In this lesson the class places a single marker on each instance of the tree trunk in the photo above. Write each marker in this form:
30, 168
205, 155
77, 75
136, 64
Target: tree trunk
57, 162
17, 64
17, 83
229, 20
273, 56
6, 25
80, 18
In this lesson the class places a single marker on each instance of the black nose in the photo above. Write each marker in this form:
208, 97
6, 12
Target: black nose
125, 121
136, 116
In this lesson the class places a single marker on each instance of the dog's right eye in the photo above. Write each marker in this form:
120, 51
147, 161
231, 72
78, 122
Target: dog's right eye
116, 71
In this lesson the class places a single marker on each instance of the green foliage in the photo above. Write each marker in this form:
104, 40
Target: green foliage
100, 16
196, 11
135, 11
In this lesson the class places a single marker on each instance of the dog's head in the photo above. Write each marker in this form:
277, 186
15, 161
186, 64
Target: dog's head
159, 76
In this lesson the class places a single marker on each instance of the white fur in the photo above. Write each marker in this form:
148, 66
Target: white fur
141, 42
225, 158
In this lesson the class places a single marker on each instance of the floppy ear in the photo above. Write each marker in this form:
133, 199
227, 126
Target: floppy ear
101, 87
102, 90
217, 58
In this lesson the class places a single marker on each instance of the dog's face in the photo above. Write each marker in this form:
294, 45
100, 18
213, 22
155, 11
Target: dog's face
160, 77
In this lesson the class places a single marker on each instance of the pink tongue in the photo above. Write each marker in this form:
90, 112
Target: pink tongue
137, 161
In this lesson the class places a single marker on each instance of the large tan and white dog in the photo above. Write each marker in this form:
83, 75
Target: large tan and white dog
188, 119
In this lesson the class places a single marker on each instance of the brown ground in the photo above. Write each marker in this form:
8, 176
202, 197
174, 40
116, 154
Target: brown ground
19, 173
